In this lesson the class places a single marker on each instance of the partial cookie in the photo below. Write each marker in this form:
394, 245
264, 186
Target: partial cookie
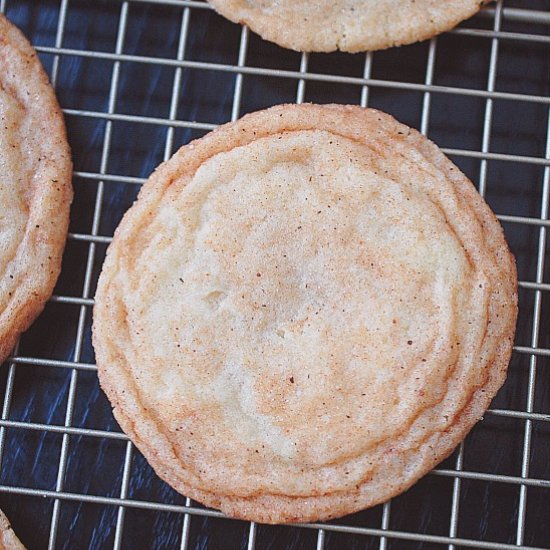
347, 25
8, 539
35, 186
303, 313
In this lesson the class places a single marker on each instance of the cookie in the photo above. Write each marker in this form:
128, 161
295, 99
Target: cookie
303, 313
35, 186
346, 25
8, 539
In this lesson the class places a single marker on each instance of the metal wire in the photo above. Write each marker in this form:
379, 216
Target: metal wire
280, 73
301, 77
537, 306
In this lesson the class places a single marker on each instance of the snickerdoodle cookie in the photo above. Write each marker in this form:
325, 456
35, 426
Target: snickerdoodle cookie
347, 25
35, 186
303, 313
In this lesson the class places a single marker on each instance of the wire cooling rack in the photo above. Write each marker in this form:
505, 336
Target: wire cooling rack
139, 78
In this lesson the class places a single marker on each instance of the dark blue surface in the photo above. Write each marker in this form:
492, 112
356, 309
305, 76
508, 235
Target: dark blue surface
488, 511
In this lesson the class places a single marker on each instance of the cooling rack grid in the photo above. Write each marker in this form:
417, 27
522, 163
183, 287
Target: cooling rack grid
137, 79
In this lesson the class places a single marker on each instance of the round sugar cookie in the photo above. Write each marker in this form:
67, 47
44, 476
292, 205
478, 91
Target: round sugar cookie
347, 25
35, 186
8, 539
303, 313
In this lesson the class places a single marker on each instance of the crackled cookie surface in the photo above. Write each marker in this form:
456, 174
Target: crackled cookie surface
35, 186
347, 25
303, 313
